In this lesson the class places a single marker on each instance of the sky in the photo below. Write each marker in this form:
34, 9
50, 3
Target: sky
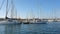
33, 8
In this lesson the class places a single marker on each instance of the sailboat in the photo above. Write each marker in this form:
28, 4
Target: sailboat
55, 20
38, 21
9, 20
27, 22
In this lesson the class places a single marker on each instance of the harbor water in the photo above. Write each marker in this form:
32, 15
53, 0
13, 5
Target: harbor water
48, 28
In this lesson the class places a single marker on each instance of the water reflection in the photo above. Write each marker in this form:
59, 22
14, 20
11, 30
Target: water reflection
49, 28
12, 29
20, 29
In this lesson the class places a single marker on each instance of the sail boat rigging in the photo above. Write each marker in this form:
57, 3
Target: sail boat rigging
9, 20
1, 4
6, 10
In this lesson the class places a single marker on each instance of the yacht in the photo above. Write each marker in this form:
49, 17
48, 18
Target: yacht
27, 21
9, 20
38, 22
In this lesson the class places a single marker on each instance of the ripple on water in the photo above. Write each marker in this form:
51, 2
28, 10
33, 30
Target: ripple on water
49, 28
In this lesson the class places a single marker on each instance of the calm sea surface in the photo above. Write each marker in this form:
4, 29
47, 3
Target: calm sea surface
49, 28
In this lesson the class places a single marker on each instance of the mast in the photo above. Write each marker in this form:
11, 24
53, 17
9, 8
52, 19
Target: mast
12, 9
16, 14
6, 10
32, 16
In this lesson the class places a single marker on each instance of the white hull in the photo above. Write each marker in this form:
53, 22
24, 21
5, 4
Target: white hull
38, 22
8, 22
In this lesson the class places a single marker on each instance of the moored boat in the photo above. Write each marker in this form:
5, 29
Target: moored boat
7, 22
39, 22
